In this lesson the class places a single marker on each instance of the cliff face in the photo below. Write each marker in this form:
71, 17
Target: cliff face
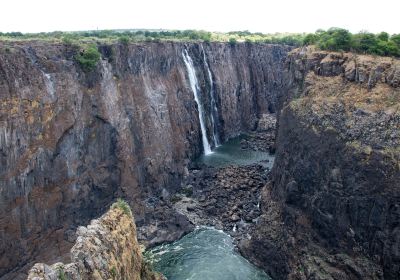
105, 249
70, 142
332, 211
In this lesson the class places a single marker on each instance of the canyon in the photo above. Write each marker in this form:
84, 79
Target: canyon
71, 142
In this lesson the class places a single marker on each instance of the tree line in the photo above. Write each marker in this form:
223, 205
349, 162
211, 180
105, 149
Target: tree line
335, 39
338, 39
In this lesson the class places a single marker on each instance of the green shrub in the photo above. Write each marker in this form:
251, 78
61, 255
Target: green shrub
67, 40
123, 205
124, 40
232, 41
88, 58
61, 274
175, 198
187, 191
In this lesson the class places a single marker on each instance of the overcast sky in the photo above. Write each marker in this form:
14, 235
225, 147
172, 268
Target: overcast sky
212, 15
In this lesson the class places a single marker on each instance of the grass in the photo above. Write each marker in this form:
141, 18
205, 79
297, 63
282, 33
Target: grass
123, 205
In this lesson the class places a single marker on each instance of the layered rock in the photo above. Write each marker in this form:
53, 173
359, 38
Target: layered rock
332, 211
70, 141
105, 249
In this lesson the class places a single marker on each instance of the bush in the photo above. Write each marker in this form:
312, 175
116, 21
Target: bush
67, 40
88, 58
124, 40
232, 41
123, 205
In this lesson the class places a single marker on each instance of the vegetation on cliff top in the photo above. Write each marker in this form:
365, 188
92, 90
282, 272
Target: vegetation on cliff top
88, 58
335, 39
338, 39
123, 205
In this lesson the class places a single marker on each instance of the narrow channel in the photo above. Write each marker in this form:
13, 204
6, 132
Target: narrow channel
207, 252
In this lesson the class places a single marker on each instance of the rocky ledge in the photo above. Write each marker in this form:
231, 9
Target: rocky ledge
105, 249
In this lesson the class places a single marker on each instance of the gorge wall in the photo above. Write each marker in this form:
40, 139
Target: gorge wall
70, 141
332, 210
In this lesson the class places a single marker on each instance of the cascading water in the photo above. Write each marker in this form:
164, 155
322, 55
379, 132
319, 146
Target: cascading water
214, 109
196, 90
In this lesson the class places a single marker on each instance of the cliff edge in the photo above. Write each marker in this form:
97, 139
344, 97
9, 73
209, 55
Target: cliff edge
332, 210
105, 249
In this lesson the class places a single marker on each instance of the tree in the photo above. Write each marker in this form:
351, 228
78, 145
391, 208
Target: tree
310, 39
396, 39
387, 48
336, 39
88, 58
383, 36
365, 42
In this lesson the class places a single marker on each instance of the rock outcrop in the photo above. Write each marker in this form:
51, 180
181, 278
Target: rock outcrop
333, 208
71, 142
105, 249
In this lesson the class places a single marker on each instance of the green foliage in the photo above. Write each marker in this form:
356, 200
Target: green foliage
88, 58
124, 40
383, 36
310, 39
61, 274
364, 42
188, 191
232, 41
396, 39
123, 205
67, 40
175, 198
335, 39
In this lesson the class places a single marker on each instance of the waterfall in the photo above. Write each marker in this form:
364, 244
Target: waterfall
196, 90
49, 83
214, 109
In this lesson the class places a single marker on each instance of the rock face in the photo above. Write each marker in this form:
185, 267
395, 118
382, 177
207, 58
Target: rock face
333, 209
70, 142
105, 249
